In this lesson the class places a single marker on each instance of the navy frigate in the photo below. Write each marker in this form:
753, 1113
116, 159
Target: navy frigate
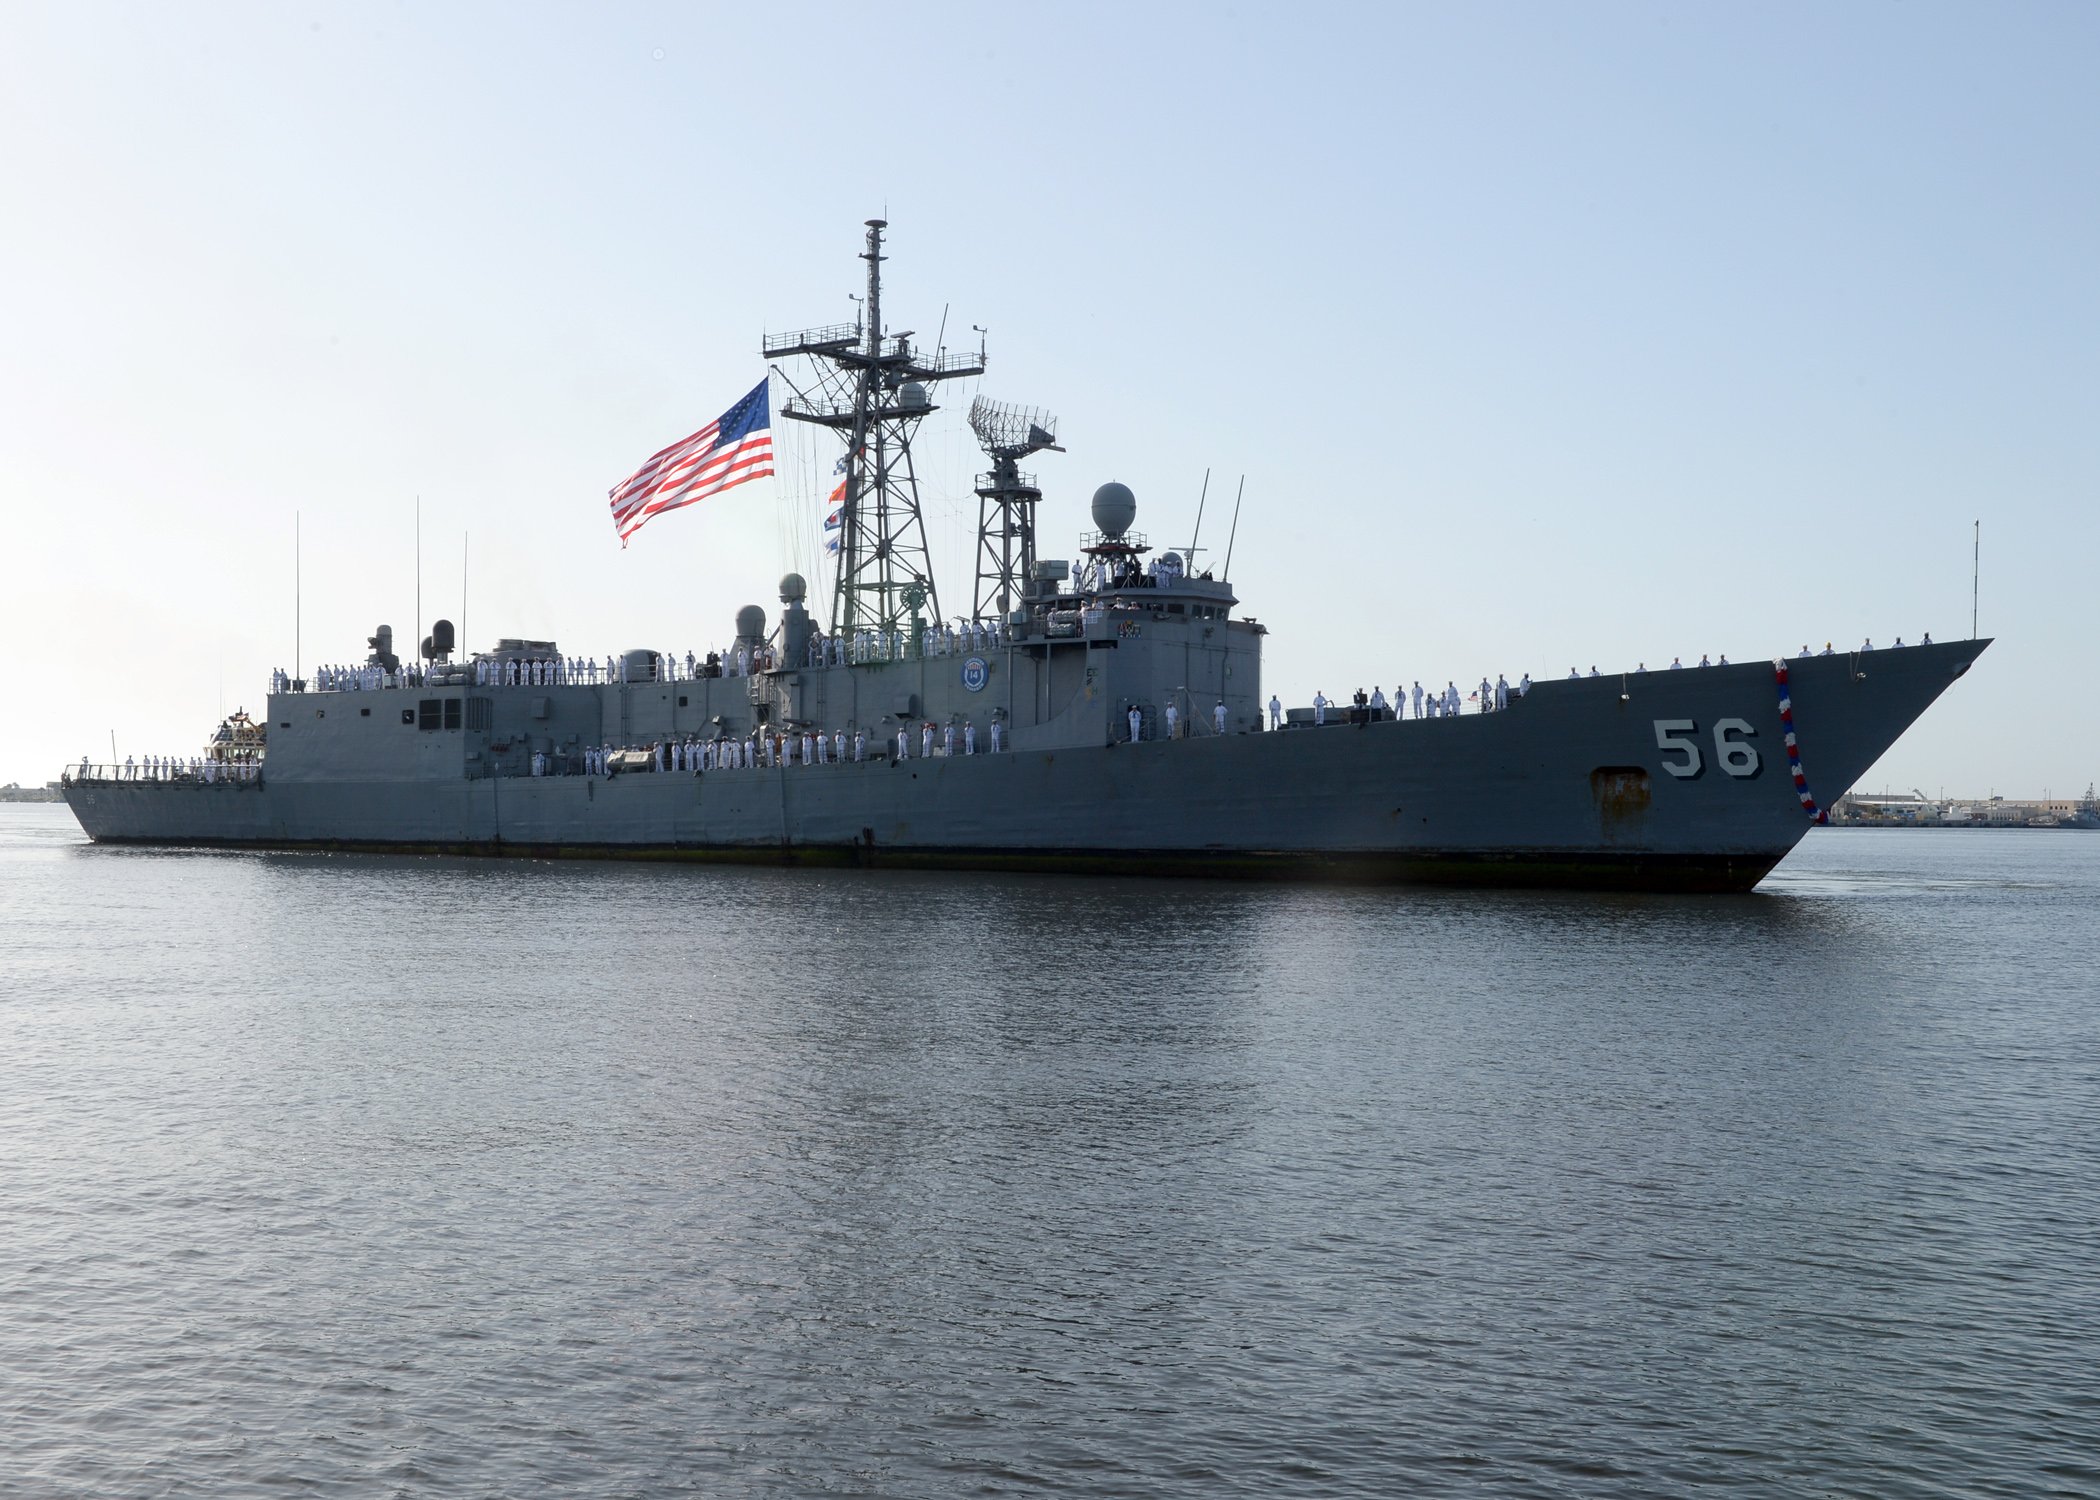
1100, 712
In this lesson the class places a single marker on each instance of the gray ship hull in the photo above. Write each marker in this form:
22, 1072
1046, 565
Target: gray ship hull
1675, 780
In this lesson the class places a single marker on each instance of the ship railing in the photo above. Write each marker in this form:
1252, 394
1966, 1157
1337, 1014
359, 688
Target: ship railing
943, 365
1101, 541
211, 773
1024, 484
833, 413
879, 646
810, 340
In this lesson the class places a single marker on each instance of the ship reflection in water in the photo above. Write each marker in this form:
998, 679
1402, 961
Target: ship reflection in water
427, 1175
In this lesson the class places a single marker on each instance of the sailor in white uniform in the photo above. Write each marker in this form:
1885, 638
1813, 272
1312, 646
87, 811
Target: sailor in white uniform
969, 737
1137, 723
1501, 691
1275, 712
1319, 707
1218, 715
1173, 717
1418, 699
1378, 704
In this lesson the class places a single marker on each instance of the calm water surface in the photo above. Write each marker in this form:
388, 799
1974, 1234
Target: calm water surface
335, 1175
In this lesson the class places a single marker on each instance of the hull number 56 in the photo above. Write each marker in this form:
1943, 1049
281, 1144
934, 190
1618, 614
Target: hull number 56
1731, 752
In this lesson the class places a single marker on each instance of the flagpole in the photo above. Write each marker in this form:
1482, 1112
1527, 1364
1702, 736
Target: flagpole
464, 538
415, 650
298, 613
1975, 577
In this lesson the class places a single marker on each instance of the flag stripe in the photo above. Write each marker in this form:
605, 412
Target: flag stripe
751, 460
752, 450
664, 464
736, 446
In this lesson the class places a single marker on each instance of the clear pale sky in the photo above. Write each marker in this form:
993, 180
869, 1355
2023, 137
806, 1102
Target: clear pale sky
1544, 335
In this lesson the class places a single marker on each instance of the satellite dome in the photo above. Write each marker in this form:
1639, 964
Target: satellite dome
912, 396
751, 621
792, 589
1114, 509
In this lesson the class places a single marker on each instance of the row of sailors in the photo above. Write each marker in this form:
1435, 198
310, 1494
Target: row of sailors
959, 639
331, 678
1495, 695
823, 650
1172, 714
771, 748
1436, 703
548, 671
176, 768
1677, 662
558, 671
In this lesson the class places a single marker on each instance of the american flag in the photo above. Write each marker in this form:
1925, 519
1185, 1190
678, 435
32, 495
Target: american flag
736, 446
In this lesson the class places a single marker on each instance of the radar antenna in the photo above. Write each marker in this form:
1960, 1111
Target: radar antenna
871, 389
1006, 500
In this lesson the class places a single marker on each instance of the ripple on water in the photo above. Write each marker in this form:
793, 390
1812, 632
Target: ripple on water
325, 1174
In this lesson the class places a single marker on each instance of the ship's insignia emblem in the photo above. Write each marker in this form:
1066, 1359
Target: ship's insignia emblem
976, 672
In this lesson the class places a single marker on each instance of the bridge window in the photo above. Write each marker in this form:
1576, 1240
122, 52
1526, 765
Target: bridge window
452, 713
427, 713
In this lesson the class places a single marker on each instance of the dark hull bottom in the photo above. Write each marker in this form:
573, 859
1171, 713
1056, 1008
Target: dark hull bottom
1538, 869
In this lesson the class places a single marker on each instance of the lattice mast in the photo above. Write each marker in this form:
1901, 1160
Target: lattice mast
1006, 500
871, 388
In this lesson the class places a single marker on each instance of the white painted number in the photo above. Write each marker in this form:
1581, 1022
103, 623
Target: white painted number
1734, 756
1669, 735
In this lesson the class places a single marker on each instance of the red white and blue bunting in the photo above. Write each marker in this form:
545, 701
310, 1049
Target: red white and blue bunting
1793, 750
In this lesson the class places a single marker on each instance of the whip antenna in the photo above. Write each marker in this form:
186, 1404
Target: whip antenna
1975, 575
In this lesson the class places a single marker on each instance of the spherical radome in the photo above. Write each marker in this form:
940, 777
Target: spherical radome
1115, 507
793, 590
